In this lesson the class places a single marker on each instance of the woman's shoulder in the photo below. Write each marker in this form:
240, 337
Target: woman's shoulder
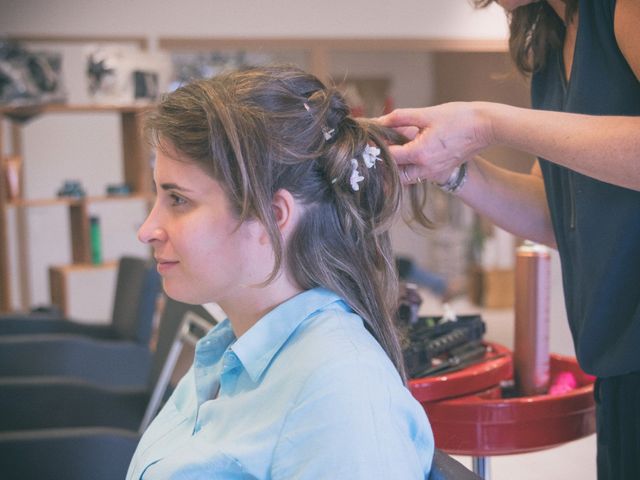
334, 347
336, 335
355, 401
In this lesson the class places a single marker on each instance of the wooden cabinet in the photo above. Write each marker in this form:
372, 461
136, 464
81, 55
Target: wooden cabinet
136, 172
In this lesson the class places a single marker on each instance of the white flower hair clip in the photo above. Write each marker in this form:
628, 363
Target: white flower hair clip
371, 156
355, 176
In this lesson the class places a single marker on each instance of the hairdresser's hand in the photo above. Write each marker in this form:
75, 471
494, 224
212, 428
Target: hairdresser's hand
441, 138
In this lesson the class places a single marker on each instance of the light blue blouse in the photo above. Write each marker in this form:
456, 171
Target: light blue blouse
306, 393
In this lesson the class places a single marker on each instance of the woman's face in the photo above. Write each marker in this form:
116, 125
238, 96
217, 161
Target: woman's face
203, 255
510, 5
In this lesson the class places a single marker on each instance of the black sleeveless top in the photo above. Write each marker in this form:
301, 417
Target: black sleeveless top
597, 225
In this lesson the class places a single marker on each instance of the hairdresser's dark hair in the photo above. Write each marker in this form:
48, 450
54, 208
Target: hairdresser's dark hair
534, 29
263, 129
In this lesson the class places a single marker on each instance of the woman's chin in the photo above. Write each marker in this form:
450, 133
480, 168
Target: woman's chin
180, 294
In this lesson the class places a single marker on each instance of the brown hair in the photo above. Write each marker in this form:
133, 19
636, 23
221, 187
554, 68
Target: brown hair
534, 29
263, 129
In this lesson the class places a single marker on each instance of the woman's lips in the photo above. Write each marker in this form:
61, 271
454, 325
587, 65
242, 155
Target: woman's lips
165, 265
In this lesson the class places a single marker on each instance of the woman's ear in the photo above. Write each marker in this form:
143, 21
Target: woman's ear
285, 211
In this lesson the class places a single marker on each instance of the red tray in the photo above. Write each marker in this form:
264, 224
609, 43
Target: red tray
483, 424
496, 367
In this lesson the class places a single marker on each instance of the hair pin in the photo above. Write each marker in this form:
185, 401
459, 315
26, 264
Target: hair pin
328, 133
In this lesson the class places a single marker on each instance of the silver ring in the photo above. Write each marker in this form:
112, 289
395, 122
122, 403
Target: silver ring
406, 175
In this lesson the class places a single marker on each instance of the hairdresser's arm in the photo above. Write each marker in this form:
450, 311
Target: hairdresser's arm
514, 201
602, 147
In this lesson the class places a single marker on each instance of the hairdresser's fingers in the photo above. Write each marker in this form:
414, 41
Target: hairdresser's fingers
415, 162
405, 117
406, 154
410, 174
409, 132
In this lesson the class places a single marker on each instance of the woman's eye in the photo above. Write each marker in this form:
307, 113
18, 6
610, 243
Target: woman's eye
177, 200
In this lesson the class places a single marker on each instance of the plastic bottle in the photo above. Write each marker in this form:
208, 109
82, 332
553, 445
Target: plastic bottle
96, 240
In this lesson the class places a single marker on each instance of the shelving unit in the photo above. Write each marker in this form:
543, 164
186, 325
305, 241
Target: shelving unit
326, 57
137, 174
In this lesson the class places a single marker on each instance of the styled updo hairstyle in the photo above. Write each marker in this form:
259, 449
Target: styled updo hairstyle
262, 129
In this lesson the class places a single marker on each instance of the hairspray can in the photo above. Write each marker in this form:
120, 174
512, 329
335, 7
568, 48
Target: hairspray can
531, 346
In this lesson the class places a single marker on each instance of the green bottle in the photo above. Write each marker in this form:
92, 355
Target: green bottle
96, 240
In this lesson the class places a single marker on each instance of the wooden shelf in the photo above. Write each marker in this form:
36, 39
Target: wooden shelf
27, 112
51, 202
120, 198
140, 41
319, 49
79, 267
375, 44
137, 174
71, 108
59, 280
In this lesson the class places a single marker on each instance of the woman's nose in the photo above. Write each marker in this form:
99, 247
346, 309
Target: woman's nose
151, 231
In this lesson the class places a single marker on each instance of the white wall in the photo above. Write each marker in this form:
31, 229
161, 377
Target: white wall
251, 18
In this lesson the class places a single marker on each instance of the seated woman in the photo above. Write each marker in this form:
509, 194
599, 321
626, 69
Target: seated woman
275, 203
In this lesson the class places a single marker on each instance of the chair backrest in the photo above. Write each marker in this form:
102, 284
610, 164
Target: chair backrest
169, 330
180, 323
137, 288
194, 324
445, 467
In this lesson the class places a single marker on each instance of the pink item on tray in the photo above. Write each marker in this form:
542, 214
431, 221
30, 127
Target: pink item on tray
563, 382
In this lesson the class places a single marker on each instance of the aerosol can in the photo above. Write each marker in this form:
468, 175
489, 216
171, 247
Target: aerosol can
532, 303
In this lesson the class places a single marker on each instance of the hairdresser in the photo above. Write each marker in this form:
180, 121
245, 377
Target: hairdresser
582, 195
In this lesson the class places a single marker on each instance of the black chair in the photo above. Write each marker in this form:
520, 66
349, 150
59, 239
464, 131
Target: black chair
67, 454
445, 467
137, 285
99, 452
119, 358
31, 403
